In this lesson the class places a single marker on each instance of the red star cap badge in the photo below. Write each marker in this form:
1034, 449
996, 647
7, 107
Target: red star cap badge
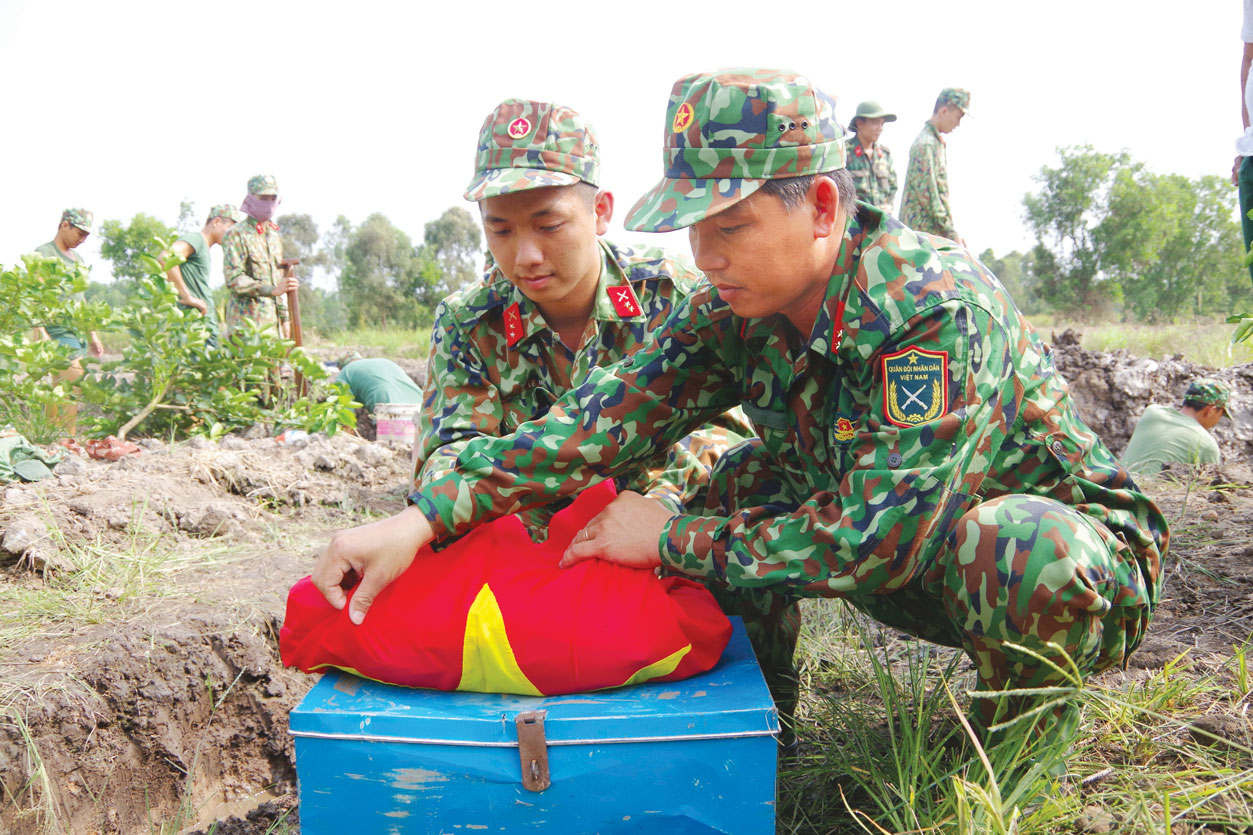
623, 300
519, 127
513, 325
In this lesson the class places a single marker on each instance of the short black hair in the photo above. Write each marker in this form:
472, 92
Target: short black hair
1198, 405
792, 190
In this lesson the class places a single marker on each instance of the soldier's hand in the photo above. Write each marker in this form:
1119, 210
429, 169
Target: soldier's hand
1235, 171
197, 304
626, 532
94, 346
369, 557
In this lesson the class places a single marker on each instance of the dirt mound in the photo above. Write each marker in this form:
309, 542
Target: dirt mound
1111, 391
140, 685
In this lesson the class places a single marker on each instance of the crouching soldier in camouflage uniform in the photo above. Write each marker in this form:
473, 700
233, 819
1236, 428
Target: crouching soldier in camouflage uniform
919, 455
252, 254
555, 303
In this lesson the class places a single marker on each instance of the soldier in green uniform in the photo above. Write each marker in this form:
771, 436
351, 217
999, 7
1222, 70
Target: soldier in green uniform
919, 455
73, 229
556, 301
191, 279
253, 253
870, 163
1179, 436
924, 205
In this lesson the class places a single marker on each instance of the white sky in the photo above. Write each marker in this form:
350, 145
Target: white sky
365, 106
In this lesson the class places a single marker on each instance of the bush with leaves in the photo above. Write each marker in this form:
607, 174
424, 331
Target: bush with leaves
40, 291
169, 382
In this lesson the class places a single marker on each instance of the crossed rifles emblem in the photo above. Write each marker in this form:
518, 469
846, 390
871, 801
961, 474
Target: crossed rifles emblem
914, 396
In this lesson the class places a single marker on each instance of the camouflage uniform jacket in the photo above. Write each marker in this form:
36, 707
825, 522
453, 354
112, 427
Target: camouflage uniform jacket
480, 384
874, 175
924, 205
252, 251
881, 480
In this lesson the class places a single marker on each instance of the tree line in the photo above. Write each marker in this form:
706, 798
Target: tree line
382, 277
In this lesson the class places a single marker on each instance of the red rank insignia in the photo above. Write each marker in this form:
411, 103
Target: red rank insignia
513, 325
839, 326
623, 300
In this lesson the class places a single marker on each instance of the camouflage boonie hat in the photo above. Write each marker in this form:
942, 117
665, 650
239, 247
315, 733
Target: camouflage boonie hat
1210, 391
870, 110
226, 210
532, 144
263, 184
78, 218
727, 133
956, 97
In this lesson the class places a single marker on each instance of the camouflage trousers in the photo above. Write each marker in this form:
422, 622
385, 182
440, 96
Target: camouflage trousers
1018, 574
266, 311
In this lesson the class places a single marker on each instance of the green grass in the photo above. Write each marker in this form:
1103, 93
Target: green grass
391, 343
887, 748
1203, 342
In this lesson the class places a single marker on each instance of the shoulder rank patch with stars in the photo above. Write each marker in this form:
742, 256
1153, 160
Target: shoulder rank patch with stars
513, 325
622, 297
915, 386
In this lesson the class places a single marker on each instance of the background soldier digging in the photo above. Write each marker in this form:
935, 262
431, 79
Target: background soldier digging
870, 162
556, 302
253, 253
924, 205
919, 455
191, 279
1179, 436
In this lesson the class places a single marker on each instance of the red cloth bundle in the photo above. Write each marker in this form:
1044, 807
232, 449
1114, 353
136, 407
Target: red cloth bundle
493, 613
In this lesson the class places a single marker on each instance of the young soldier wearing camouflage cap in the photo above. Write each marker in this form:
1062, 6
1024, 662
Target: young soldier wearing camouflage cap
252, 254
868, 160
1179, 436
556, 302
73, 229
919, 455
924, 205
191, 279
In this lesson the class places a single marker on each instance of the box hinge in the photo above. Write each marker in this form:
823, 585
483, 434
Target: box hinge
533, 750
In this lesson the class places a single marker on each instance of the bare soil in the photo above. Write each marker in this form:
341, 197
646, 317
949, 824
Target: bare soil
161, 705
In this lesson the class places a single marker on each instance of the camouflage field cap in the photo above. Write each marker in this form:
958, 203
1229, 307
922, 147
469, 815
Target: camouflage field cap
1210, 391
956, 97
533, 144
263, 184
727, 133
226, 210
870, 110
78, 218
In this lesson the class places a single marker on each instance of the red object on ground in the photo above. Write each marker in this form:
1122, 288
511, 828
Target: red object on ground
110, 448
492, 612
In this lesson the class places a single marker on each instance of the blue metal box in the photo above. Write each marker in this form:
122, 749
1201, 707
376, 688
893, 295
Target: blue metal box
693, 756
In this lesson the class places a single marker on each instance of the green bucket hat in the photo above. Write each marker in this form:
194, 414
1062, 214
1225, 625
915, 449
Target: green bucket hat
226, 210
727, 133
955, 96
78, 218
1211, 391
527, 144
263, 184
870, 110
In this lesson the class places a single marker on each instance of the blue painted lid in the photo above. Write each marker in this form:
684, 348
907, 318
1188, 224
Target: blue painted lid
728, 701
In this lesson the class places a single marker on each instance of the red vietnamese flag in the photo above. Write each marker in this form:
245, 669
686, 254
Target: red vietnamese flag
493, 613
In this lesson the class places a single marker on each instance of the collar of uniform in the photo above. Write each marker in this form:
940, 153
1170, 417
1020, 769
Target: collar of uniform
939, 136
612, 274
825, 338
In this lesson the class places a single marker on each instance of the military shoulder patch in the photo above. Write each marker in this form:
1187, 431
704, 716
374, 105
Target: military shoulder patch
915, 386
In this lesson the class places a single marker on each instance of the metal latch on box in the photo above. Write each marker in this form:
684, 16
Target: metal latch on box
533, 750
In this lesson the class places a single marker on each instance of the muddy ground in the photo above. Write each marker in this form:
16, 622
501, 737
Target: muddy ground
158, 703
